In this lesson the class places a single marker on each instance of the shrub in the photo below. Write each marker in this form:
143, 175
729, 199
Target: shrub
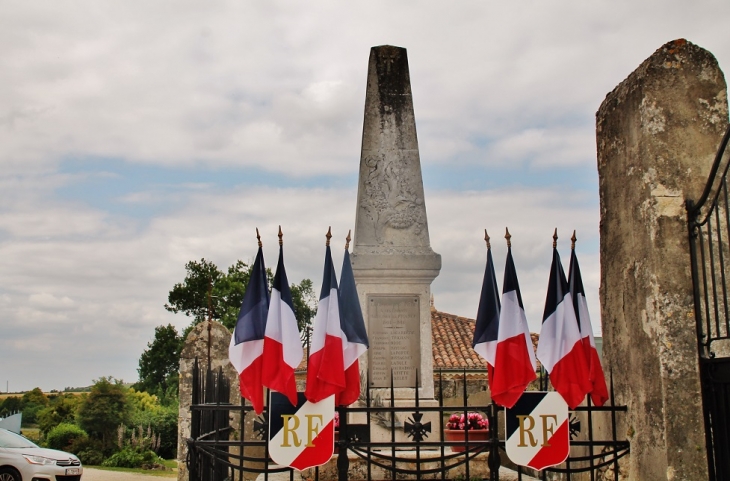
64, 435
90, 451
90, 457
131, 458
163, 421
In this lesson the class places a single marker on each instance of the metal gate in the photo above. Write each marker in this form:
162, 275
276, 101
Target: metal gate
709, 240
219, 451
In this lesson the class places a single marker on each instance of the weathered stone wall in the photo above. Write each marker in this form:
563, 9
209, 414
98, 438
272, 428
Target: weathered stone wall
657, 133
196, 346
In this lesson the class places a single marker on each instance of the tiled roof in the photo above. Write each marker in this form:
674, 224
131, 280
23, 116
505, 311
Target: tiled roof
452, 336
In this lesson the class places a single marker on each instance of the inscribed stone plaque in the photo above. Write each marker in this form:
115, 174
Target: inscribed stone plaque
395, 340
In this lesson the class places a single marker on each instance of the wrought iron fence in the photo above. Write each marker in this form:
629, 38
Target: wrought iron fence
410, 445
709, 233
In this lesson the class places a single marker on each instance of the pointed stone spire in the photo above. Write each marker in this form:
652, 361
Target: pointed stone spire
391, 208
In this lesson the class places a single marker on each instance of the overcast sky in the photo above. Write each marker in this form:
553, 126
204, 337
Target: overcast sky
136, 136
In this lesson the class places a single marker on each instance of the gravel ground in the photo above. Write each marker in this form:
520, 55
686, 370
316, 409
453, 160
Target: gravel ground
91, 474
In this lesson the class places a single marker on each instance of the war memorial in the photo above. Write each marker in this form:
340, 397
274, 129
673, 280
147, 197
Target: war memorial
661, 136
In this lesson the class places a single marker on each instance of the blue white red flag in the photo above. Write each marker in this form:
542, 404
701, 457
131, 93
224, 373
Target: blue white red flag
282, 345
514, 364
325, 367
354, 334
599, 390
560, 348
486, 331
247, 342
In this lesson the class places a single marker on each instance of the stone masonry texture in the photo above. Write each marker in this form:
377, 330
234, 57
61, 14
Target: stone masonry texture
657, 134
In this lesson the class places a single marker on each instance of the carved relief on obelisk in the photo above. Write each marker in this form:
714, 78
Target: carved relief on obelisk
392, 259
391, 209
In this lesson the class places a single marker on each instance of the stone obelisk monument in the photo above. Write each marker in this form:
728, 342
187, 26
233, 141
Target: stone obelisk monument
392, 259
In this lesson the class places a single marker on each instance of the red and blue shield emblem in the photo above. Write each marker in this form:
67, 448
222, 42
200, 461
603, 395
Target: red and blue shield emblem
537, 430
301, 436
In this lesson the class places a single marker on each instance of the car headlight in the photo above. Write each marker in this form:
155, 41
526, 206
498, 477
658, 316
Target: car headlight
39, 460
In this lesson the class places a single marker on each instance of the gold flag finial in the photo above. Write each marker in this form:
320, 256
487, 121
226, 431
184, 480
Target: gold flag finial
486, 239
348, 239
281, 237
572, 241
258, 237
328, 236
555, 239
508, 237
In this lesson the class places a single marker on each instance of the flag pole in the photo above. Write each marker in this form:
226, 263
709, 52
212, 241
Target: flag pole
258, 237
348, 239
486, 239
508, 237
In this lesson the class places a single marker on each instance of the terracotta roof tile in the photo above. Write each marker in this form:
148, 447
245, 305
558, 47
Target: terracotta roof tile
452, 337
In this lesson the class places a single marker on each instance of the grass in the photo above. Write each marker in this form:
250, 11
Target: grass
32, 433
170, 464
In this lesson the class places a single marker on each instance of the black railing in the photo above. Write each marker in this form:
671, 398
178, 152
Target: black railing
410, 444
709, 232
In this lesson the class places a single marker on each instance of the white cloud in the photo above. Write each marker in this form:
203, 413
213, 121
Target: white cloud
246, 87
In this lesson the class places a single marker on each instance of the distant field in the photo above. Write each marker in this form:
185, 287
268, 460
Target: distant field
20, 394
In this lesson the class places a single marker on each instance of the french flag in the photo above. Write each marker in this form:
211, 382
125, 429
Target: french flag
354, 334
325, 368
514, 360
599, 390
282, 345
247, 342
560, 348
486, 331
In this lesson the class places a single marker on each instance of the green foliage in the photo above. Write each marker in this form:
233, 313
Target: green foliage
163, 421
64, 435
32, 403
36, 396
158, 364
90, 457
191, 296
90, 451
10, 405
62, 409
105, 408
131, 458
137, 448
226, 290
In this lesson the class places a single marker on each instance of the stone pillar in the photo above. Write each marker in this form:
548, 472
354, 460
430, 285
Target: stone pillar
657, 134
392, 259
215, 335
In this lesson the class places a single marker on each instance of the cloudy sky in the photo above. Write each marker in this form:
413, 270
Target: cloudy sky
136, 136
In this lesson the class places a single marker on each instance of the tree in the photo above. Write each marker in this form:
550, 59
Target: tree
191, 296
61, 410
33, 402
103, 410
10, 405
158, 364
205, 285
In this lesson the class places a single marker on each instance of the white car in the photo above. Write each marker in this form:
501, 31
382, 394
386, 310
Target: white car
21, 460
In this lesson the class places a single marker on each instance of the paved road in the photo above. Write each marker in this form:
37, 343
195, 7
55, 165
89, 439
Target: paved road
91, 474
